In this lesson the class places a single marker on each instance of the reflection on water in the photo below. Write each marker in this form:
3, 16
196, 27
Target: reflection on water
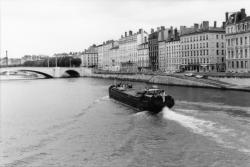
72, 122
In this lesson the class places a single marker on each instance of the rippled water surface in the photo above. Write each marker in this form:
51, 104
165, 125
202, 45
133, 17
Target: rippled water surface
72, 122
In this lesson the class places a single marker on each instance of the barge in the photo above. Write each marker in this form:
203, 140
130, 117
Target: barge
152, 99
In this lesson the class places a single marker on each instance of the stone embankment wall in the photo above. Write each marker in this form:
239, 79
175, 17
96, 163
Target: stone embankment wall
154, 79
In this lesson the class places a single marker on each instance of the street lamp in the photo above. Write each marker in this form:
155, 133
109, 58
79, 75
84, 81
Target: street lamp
56, 61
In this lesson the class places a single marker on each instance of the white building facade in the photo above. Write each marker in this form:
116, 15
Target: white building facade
128, 46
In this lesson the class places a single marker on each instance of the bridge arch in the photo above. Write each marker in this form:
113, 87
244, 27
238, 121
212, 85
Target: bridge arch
72, 73
38, 72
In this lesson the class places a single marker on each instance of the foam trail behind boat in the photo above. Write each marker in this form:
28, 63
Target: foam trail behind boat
225, 136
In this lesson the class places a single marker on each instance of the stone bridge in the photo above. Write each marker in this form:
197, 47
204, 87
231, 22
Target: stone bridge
52, 72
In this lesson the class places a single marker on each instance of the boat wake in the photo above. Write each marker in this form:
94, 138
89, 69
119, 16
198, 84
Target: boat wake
223, 135
216, 106
104, 98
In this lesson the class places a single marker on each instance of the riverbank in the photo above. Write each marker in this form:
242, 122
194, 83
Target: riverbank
175, 80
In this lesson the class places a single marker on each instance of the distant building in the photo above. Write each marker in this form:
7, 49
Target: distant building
106, 60
153, 47
33, 58
114, 64
14, 61
169, 51
90, 57
238, 41
100, 56
143, 56
4, 61
203, 48
128, 46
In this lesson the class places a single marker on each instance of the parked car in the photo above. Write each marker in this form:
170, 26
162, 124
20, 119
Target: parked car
201, 76
178, 71
189, 74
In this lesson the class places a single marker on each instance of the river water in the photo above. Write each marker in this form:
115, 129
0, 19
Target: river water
72, 122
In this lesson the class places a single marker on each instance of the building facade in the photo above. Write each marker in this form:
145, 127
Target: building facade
106, 61
153, 50
89, 57
238, 42
169, 56
143, 57
100, 56
169, 51
129, 44
202, 48
114, 62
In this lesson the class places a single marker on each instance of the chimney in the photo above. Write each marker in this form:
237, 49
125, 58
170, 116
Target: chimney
175, 34
205, 25
140, 31
226, 16
196, 26
121, 36
158, 28
125, 34
182, 29
130, 32
162, 27
223, 24
145, 39
215, 24
152, 30
243, 13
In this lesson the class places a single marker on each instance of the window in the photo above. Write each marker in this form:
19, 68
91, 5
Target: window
245, 53
217, 52
241, 41
217, 36
245, 40
232, 64
241, 63
217, 44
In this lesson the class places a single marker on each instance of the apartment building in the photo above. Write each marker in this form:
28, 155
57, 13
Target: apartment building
238, 41
128, 46
143, 57
90, 57
202, 48
169, 50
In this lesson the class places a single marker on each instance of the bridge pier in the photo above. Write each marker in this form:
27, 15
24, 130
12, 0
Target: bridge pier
57, 72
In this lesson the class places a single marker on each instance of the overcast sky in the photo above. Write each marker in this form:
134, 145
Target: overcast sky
55, 26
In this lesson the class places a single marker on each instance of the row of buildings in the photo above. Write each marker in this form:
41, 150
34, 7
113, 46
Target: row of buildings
5, 61
202, 47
